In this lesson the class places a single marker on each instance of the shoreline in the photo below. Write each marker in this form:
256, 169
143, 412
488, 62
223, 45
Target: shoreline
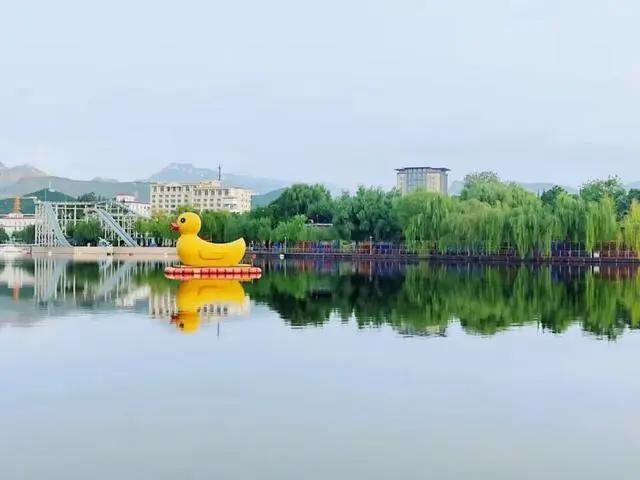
169, 253
480, 259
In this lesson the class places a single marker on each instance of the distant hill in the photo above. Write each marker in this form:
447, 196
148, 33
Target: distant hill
266, 199
104, 179
9, 175
538, 188
27, 204
75, 188
186, 172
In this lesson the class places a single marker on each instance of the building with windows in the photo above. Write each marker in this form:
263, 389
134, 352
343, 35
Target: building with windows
136, 206
166, 197
431, 179
16, 220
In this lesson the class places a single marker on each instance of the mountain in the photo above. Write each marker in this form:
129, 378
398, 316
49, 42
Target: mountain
186, 172
9, 175
631, 185
76, 188
105, 179
265, 199
536, 187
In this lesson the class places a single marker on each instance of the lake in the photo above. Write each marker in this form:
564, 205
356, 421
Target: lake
319, 370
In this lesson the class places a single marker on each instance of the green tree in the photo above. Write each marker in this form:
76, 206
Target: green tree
550, 197
631, 227
612, 187
632, 194
27, 235
312, 201
157, 228
90, 197
4, 237
85, 232
293, 230
477, 178
369, 213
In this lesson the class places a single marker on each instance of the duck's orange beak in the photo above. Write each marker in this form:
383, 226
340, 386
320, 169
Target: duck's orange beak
175, 227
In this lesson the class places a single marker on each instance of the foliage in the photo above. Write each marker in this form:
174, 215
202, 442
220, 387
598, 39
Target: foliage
489, 217
4, 236
312, 201
27, 235
369, 213
157, 228
551, 197
631, 227
492, 216
612, 187
85, 232
90, 197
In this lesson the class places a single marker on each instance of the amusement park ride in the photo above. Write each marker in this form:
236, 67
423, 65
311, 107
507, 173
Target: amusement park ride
53, 219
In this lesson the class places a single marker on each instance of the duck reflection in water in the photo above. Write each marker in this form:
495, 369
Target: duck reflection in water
197, 296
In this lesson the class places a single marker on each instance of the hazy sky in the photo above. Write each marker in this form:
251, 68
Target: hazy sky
334, 90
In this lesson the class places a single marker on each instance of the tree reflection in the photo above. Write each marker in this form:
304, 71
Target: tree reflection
418, 299
424, 299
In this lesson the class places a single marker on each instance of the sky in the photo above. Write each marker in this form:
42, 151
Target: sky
332, 91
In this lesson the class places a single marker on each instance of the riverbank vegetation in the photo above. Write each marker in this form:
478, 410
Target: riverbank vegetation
488, 217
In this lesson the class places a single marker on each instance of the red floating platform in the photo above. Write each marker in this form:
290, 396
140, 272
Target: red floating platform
239, 272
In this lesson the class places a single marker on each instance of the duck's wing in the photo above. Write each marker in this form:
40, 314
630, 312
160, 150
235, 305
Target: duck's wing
209, 253
218, 251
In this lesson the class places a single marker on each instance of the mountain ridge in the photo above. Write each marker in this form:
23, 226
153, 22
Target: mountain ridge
13, 174
187, 172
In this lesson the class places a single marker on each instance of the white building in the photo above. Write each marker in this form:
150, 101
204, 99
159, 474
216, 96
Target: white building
166, 197
141, 208
14, 222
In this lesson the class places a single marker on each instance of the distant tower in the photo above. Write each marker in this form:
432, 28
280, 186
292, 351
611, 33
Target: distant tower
220, 173
16, 206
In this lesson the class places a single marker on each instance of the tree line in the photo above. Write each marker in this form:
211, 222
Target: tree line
489, 216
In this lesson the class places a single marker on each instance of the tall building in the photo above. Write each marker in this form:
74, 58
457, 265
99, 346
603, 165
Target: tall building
166, 197
430, 179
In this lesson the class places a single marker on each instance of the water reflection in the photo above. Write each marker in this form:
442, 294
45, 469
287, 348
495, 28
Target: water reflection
420, 299
198, 297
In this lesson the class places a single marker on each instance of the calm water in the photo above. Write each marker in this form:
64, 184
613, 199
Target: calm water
317, 371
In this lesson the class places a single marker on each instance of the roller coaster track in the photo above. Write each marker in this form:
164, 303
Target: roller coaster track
111, 223
114, 279
51, 224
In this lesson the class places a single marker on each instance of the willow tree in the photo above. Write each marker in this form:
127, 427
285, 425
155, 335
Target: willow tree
427, 227
631, 228
477, 227
570, 213
533, 227
601, 223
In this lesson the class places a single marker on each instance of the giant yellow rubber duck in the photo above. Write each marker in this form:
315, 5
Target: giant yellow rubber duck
194, 294
195, 252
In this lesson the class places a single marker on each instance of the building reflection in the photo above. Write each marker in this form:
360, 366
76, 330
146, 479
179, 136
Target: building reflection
41, 287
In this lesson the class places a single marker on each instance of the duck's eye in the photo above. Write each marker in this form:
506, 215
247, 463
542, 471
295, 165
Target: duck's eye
182, 220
